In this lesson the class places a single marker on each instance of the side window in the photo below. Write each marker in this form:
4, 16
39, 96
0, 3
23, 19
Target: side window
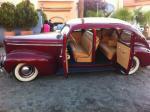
125, 36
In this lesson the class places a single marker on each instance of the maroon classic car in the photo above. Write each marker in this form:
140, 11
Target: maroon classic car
83, 45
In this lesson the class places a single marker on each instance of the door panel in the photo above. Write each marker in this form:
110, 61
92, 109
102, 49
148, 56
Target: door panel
123, 55
64, 56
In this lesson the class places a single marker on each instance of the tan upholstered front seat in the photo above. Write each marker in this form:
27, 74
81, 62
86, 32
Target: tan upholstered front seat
109, 48
109, 51
82, 51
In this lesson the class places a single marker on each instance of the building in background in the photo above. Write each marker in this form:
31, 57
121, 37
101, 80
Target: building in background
81, 8
0, 3
132, 4
59, 10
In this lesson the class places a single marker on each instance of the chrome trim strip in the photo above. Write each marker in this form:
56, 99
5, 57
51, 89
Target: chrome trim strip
36, 44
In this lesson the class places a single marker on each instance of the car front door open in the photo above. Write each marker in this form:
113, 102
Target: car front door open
64, 56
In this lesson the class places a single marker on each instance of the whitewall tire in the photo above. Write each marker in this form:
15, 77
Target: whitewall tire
135, 65
24, 72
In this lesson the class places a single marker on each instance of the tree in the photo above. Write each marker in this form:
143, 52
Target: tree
147, 17
142, 17
26, 15
7, 16
139, 16
123, 14
90, 13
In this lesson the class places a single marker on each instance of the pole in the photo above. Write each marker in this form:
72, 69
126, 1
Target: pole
97, 8
81, 8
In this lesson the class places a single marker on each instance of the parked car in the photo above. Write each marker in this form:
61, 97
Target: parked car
83, 45
58, 27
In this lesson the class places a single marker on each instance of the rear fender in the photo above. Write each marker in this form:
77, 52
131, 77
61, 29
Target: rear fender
143, 54
43, 62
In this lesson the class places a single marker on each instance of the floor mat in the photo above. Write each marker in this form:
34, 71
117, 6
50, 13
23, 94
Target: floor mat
101, 58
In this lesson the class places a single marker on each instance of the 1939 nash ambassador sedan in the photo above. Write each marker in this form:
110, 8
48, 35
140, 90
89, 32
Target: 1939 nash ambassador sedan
83, 45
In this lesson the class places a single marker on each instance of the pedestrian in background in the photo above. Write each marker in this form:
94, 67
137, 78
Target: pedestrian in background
146, 31
51, 25
46, 27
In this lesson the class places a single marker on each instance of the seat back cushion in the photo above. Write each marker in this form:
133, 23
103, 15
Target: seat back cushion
77, 35
110, 37
105, 39
108, 51
113, 40
87, 41
112, 43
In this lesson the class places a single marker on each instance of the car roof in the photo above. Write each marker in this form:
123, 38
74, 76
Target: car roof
96, 20
104, 20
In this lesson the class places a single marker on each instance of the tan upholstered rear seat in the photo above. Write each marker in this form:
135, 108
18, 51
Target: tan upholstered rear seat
82, 51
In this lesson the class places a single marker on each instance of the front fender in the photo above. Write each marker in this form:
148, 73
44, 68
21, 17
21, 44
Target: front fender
43, 62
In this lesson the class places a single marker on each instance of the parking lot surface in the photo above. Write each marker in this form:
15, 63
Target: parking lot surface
81, 92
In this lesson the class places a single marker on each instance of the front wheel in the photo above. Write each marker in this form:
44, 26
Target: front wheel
135, 65
24, 72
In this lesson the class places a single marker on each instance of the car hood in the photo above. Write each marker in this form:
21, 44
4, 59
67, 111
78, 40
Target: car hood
46, 36
52, 37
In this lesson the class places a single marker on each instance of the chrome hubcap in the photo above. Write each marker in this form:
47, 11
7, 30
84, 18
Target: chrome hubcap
26, 70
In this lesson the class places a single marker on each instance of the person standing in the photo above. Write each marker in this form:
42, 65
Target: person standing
46, 26
146, 31
51, 25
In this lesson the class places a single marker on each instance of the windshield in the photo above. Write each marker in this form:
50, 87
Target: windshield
65, 30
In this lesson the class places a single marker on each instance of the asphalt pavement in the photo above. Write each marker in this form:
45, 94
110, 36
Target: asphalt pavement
80, 92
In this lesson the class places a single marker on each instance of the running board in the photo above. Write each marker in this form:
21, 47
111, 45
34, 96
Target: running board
91, 69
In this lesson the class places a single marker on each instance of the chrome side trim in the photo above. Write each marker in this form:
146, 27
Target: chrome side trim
36, 44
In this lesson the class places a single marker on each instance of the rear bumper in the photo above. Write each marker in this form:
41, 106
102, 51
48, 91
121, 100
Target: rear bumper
2, 60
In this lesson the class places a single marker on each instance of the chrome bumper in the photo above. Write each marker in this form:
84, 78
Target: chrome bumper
2, 60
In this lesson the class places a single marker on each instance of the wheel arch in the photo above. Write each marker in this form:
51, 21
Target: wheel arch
41, 61
143, 55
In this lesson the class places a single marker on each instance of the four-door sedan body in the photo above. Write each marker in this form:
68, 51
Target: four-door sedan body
83, 45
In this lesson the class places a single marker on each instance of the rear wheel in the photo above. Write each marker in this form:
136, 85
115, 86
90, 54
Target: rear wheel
135, 65
24, 72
